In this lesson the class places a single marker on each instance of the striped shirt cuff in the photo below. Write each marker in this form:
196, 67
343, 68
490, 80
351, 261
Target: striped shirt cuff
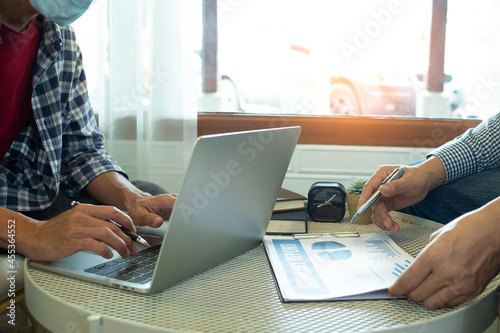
457, 158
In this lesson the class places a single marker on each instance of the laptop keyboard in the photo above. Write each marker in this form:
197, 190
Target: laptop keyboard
138, 269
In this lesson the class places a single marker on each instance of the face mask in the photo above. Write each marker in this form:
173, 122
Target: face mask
62, 12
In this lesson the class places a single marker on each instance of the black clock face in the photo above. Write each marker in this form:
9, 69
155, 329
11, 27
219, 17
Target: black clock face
326, 204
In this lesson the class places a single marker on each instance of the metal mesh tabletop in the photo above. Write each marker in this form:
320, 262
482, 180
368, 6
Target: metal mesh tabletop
240, 295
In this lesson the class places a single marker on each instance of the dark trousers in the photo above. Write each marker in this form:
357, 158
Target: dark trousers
447, 202
63, 202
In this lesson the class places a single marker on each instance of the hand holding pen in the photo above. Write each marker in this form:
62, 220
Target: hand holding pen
396, 173
83, 228
135, 237
406, 191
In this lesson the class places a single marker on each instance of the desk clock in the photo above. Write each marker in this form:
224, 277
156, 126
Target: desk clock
326, 202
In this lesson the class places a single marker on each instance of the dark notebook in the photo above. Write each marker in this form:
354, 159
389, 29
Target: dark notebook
288, 223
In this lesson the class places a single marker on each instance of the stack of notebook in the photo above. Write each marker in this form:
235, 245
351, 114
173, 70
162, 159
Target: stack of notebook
289, 214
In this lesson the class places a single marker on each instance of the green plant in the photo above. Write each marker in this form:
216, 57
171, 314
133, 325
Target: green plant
357, 187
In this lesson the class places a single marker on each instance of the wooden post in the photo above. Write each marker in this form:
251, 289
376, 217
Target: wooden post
435, 77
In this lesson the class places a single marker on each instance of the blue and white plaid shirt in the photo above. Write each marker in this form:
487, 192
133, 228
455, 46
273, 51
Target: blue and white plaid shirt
476, 150
62, 144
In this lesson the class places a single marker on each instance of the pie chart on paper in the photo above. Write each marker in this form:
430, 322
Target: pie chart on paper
331, 251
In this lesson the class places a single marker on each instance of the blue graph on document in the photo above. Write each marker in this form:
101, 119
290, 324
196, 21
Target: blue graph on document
379, 247
398, 269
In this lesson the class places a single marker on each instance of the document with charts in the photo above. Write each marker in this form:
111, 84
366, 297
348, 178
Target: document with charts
330, 267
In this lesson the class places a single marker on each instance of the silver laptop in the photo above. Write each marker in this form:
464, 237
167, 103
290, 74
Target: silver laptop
222, 210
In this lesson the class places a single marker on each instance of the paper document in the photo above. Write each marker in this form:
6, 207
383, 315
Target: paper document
335, 268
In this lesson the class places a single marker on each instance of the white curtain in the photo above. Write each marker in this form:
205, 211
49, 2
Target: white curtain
142, 73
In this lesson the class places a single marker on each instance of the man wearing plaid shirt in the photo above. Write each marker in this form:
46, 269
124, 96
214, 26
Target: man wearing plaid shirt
50, 147
458, 184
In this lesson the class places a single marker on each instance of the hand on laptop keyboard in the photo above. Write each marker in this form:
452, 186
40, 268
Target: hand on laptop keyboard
152, 210
82, 228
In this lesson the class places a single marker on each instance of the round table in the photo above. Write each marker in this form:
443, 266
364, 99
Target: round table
240, 295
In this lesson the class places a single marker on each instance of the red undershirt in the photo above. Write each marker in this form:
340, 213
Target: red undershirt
17, 63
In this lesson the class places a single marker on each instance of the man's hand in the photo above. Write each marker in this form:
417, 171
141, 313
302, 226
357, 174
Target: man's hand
411, 188
82, 228
112, 188
458, 263
152, 210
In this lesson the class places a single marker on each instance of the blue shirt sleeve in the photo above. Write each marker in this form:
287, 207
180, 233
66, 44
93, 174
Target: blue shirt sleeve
476, 150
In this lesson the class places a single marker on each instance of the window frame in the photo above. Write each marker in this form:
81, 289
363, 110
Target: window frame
344, 130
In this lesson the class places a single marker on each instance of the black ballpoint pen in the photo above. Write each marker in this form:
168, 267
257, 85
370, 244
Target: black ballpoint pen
375, 196
135, 237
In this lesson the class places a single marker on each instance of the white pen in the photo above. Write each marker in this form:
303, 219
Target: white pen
398, 172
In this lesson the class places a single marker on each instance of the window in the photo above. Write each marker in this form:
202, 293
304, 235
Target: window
366, 57
330, 60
